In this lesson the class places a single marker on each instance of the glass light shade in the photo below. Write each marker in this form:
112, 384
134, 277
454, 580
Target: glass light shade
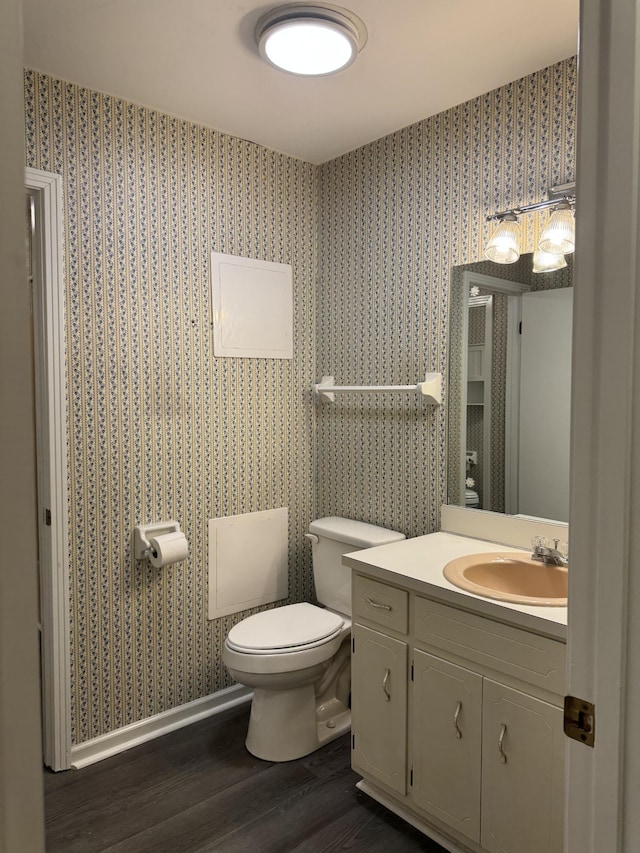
504, 245
559, 236
548, 262
310, 48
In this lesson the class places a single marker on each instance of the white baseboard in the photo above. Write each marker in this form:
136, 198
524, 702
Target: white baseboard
122, 739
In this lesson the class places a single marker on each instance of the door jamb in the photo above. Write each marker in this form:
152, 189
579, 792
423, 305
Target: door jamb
51, 430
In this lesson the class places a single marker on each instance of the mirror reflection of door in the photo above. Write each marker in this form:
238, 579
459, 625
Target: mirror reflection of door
535, 333
510, 441
545, 374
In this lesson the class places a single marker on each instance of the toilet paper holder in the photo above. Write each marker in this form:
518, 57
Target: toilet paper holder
141, 533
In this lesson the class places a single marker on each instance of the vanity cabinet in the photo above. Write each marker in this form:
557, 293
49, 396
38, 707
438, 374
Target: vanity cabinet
457, 722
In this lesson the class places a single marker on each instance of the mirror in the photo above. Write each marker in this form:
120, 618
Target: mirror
509, 388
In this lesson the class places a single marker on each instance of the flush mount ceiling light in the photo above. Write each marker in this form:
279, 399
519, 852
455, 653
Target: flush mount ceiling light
558, 237
310, 40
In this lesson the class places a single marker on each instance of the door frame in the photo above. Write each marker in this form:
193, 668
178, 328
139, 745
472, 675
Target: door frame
51, 438
512, 405
513, 291
601, 796
487, 359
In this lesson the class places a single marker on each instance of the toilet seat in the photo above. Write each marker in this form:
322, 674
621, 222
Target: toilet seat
285, 630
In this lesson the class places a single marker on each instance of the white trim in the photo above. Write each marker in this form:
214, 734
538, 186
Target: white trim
134, 734
51, 429
489, 282
487, 363
512, 405
462, 414
513, 290
487, 421
604, 600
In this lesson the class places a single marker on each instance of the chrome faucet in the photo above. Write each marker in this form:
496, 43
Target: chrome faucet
543, 553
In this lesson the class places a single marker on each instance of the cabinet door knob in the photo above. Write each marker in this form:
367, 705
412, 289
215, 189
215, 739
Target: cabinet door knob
455, 720
385, 682
503, 756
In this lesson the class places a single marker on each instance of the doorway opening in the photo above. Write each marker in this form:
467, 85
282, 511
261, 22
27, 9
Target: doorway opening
45, 269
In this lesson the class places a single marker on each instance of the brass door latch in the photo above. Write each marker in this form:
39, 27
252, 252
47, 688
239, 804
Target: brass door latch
580, 720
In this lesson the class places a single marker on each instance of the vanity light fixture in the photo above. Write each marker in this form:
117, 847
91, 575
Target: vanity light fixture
558, 237
310, 39
548, 261
504, 245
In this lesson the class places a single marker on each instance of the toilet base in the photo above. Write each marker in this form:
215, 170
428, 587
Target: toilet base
284, 724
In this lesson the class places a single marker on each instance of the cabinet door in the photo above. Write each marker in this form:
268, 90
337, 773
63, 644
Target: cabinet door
522, 773
379, 707
446, 732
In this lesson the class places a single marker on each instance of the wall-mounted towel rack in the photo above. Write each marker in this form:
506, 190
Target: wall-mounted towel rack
431, 388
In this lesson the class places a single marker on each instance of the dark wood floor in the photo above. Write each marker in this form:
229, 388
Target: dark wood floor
198, 789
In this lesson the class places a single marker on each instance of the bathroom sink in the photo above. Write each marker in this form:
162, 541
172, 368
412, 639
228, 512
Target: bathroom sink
510, 576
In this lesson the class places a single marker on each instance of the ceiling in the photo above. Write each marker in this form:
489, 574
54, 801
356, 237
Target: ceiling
197, 59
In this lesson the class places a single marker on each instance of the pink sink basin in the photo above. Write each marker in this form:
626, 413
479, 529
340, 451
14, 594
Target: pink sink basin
511, 577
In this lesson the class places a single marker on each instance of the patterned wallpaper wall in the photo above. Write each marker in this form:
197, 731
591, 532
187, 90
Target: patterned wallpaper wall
477, 322
394, 217
159, 428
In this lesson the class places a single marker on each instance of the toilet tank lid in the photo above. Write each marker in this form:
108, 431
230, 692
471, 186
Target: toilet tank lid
351, 532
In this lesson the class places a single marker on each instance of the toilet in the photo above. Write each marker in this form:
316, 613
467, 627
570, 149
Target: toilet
471, 499
297, 658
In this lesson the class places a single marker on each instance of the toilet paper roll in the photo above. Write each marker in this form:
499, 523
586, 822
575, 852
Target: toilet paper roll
167, 548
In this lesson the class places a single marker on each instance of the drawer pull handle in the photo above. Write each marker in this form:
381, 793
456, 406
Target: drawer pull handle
503, 756
385, 682
455, 720
378, 606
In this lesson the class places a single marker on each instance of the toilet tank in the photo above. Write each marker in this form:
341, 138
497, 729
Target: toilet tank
335, 537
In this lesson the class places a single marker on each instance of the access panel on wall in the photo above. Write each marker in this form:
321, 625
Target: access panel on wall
252, 307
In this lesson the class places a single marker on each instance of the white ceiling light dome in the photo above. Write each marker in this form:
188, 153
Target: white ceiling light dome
310, 40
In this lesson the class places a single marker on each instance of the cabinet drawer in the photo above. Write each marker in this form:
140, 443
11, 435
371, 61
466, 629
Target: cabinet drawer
533, 659
384, 605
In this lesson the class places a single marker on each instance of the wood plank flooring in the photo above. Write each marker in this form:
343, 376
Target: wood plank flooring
198, 790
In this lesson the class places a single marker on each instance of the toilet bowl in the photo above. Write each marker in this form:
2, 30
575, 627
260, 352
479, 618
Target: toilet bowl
292, 657
297, 658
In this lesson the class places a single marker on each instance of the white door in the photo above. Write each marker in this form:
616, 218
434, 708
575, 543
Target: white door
545, 371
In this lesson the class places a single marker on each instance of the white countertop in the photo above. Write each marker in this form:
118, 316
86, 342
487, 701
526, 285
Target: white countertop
417, 564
